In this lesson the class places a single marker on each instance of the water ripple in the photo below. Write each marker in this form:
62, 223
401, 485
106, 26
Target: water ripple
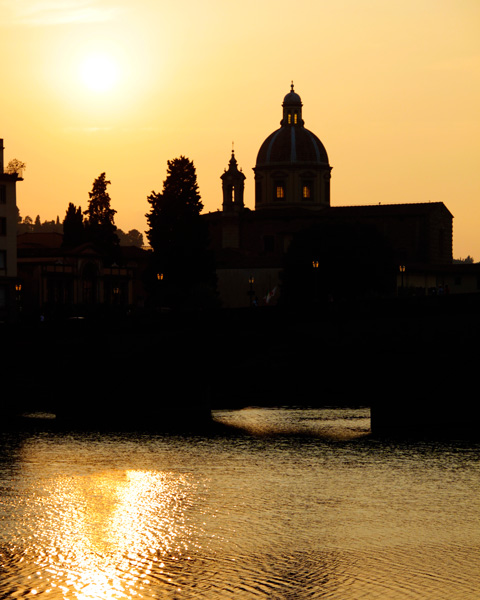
275, 510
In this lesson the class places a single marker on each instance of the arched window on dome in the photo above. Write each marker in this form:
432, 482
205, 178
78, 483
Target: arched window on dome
279, 190
307, 190
295, 118
289, 118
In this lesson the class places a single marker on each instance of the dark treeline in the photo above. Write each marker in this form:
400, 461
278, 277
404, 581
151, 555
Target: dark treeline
96, 224
133, 237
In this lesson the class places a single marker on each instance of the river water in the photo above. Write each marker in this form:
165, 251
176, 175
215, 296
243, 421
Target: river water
280, 503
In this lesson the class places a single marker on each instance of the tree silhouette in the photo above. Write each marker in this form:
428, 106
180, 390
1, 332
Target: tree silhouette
99, 224
133, 237
25, 225
73, 228
181, 263
15, 166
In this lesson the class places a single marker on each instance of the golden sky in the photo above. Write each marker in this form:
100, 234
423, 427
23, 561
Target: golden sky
391, 87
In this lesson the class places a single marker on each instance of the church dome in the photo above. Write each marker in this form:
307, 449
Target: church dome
292, 143
292, 168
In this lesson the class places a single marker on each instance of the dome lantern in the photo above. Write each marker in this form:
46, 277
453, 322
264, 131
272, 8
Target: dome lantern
292, 109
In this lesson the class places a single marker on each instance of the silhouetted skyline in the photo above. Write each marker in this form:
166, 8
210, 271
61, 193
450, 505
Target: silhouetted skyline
392, 91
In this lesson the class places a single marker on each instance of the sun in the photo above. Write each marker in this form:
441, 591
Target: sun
99, 72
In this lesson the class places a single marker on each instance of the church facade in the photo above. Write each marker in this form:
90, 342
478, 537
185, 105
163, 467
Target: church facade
292, 194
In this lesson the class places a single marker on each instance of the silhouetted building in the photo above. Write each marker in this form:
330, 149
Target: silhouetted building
9, 286
75, 281
292, 194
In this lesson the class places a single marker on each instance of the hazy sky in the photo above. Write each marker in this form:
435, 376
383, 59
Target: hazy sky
391, 87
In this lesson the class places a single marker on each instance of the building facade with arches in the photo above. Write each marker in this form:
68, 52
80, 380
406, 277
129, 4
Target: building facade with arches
76, 281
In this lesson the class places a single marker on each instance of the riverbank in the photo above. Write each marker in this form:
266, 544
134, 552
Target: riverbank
171, 365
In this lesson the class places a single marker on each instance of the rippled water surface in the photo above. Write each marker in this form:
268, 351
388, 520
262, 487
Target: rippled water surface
283, 504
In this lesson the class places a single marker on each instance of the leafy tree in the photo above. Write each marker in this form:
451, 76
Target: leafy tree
73, 227
181, 264
25, 226
15, 166
131, 238
99, 225
51, 226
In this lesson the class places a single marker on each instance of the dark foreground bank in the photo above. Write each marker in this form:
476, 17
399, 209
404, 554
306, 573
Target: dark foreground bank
171, 368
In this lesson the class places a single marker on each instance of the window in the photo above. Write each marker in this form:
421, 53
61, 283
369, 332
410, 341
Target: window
295, 118
3, 194
279, 191
3, 260
307, 191
289, 119
3, 226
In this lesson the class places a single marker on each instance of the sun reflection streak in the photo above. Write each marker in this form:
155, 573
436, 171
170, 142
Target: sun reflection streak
102, 535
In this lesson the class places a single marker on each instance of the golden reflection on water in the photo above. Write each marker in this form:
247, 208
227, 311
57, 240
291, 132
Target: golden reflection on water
259, 421
106, 531
298, 505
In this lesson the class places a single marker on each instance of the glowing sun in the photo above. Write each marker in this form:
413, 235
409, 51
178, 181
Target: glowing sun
99, 72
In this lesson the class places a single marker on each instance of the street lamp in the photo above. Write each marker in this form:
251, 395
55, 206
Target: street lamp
401, 268
18, 295
315, 265
251, 281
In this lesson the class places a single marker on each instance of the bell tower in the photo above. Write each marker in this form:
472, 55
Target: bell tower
233, 185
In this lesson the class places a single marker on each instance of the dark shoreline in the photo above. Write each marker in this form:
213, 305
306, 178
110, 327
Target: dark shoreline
417, 352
